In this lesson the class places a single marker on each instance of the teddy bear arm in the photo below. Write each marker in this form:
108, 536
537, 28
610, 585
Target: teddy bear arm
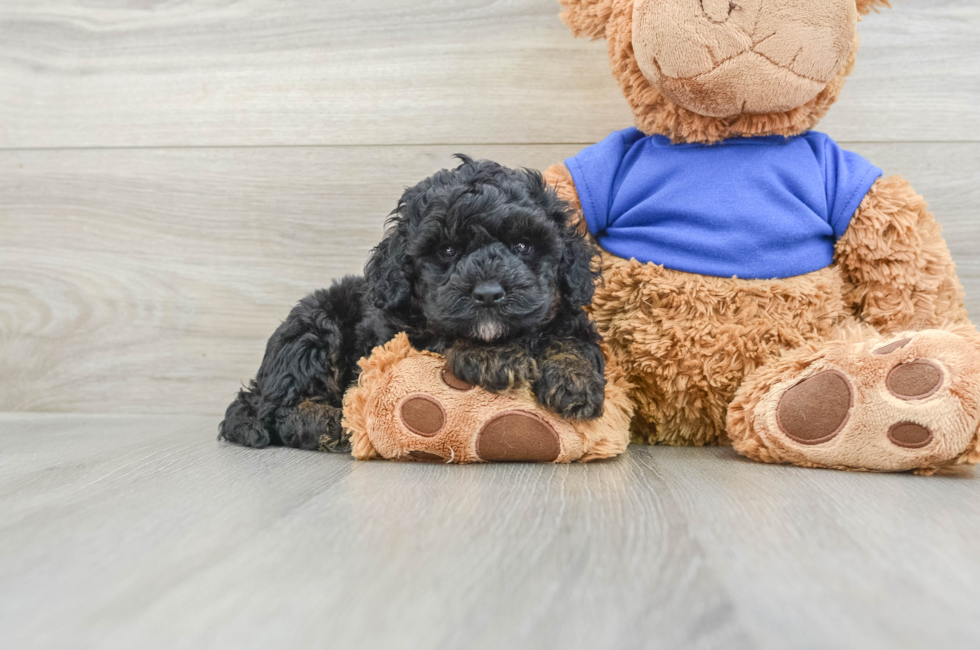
898, 269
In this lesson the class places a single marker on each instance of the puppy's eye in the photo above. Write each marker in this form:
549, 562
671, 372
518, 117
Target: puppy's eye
523, 248
448, 252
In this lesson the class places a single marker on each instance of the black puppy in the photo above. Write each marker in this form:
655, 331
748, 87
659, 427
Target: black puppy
478, 263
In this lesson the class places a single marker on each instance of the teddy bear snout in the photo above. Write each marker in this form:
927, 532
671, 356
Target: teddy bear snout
722, 58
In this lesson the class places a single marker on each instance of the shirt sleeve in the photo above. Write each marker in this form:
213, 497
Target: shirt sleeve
594, 172
848, 178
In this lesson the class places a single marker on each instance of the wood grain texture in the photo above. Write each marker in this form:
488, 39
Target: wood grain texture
124, 532
148, 281
293, 72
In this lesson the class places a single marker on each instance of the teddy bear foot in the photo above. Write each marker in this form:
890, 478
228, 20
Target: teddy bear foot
909, 403
409, 406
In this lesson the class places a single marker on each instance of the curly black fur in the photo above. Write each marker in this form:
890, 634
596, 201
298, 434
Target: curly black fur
478, 263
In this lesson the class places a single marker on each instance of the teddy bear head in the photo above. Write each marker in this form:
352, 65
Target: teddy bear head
705, 70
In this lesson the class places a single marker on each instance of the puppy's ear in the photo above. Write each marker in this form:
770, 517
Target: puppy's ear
578, 269
587, 17
386, 272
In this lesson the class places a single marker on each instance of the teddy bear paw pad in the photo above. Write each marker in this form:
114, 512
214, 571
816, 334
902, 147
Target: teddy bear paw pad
919, 379
909, 404
815, 410
518, 436
423, 415
424, 457
910, 435
454, 382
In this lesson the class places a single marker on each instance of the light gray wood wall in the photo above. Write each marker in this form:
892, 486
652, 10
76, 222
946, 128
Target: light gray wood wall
174, 176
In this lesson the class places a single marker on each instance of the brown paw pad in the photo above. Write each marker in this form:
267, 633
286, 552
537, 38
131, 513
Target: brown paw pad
916, 380
423, 415
425, 457
815, 410
892, 347
454, 382
518, 436
910, 435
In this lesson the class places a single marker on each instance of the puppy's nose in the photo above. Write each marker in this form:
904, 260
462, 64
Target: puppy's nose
488, 293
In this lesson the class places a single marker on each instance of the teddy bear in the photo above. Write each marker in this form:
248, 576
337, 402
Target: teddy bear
761, 286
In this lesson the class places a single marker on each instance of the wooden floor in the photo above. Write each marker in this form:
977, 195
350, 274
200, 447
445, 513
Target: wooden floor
145, 532
175, 175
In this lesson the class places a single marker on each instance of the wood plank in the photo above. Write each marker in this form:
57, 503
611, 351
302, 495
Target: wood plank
180, 539
149, 281
827, 559
170, 538
291, 72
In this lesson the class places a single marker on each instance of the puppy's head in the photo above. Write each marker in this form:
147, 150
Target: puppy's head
483, 252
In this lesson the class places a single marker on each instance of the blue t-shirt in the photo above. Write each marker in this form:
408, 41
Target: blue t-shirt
766, 207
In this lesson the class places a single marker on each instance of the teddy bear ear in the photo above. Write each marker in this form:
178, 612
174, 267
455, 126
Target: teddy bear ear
866, 6
589, 17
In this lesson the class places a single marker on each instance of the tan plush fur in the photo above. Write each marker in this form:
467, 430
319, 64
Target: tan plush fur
396, 372
867, 6
745, 57
898, 269
654, 113
587, 18
709, 359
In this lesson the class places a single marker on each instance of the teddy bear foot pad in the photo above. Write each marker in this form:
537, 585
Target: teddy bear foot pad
910, 403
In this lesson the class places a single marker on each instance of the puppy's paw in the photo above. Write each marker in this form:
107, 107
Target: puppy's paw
493, 368
571, 387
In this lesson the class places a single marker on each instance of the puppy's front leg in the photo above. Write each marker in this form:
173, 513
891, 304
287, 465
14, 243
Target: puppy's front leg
571, 380
493, 367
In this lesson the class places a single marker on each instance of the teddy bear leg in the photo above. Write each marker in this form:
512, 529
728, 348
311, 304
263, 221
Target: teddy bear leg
889, 404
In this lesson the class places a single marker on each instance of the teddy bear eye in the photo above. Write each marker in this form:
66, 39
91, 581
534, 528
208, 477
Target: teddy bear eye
522, 248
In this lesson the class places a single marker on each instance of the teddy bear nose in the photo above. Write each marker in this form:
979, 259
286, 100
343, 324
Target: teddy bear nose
488, 293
